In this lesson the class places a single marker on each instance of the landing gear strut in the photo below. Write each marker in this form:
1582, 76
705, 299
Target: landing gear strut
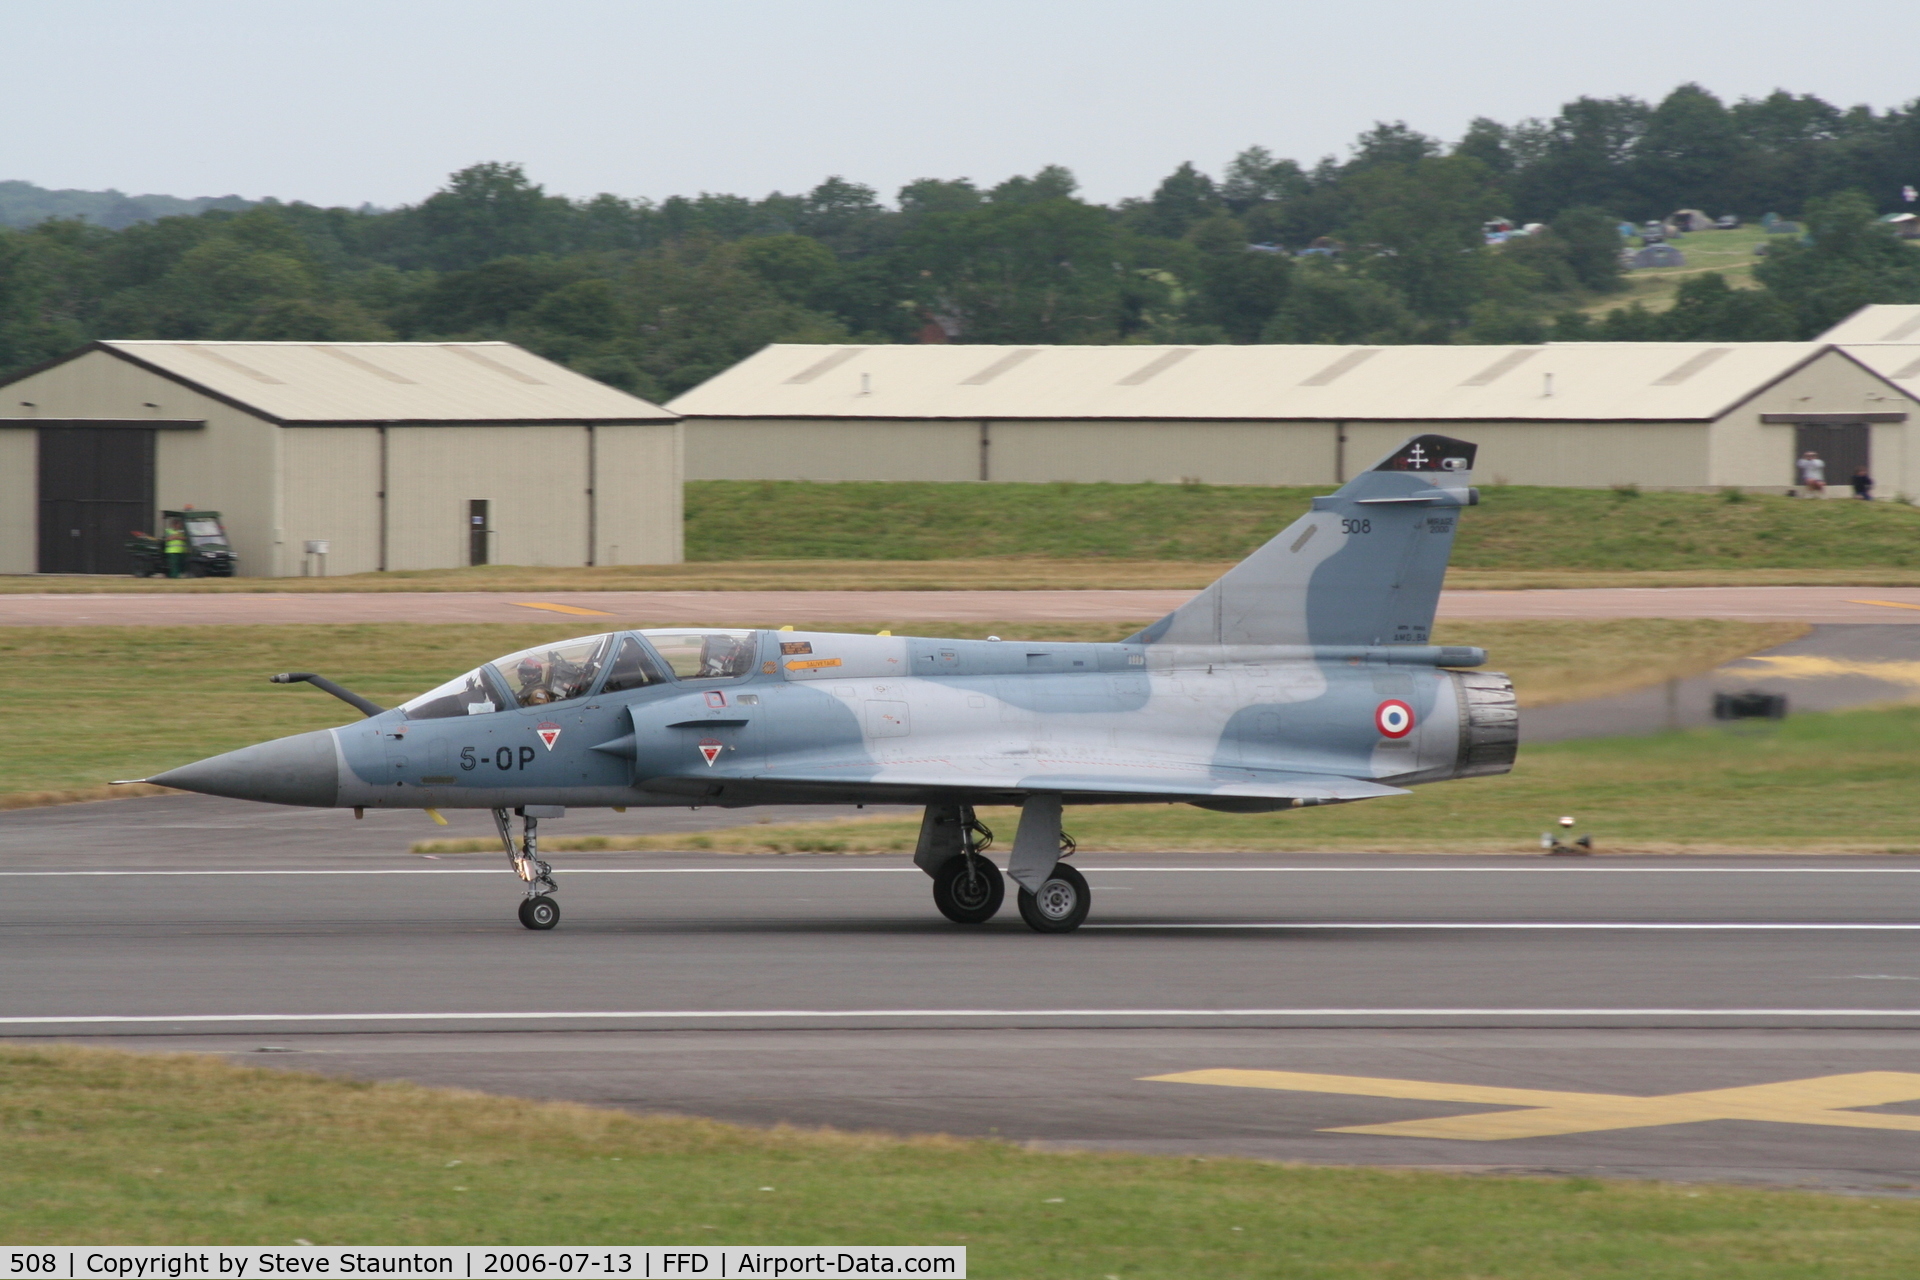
1054, 898
538, 910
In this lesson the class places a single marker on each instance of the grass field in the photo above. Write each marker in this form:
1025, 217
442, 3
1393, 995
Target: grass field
1515, 527
913, 536
130, 701
109, 1148
1832, 783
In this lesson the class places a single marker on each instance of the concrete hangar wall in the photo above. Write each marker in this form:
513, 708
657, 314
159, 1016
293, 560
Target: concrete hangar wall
1659, 415
380, 449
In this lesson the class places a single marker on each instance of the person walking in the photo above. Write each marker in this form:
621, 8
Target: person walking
175, 547
1862, 484
1813, 473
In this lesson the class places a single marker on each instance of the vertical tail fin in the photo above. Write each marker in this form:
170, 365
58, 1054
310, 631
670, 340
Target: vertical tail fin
1363, 567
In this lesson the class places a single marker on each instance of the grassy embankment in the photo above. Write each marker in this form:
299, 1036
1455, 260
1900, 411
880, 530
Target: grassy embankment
910, 536
1729, 253
112, 1148
90, 704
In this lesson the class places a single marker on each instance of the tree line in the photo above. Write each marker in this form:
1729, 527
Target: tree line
1385, 246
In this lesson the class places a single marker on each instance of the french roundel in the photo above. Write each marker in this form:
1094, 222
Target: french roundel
1393, 718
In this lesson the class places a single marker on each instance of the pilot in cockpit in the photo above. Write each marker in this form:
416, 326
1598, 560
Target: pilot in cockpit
725, 655
533, 690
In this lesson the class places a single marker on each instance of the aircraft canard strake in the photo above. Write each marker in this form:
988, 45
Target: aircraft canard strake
1302, 677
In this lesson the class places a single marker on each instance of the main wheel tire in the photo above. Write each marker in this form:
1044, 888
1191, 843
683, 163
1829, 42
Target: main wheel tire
539, 913
968, 895
1061, 905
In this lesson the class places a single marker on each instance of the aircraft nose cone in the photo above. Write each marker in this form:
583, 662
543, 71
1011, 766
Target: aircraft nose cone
301, 769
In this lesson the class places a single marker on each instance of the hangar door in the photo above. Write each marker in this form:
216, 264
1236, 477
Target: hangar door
1842, 446
96, 488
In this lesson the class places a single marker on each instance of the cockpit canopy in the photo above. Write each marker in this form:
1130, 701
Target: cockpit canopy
570, 669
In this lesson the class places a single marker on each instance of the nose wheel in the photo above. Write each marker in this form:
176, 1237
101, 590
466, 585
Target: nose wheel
538, 910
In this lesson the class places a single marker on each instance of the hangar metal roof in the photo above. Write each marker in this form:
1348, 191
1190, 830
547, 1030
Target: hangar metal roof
338, 382
1880, 322
1574, 381
1897, 362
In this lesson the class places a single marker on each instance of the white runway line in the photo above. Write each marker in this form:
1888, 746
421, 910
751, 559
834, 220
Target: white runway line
1680, 925
493, 871
655, 1015
837, 871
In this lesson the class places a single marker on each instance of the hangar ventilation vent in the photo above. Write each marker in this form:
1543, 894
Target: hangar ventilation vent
347, 357
1154, 368
1500, 368
236, 366
1011, 360
1693, 366
1345, 364
468, 353
827, 365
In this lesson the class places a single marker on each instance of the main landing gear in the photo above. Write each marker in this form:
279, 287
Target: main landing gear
538, 910
968, 889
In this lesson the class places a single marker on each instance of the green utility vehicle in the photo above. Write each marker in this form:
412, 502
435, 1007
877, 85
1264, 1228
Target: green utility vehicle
208, 554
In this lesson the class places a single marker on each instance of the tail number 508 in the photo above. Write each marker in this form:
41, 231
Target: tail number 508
1356, 526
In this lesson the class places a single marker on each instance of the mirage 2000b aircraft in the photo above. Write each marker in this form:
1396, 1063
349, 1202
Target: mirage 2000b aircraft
1303, 677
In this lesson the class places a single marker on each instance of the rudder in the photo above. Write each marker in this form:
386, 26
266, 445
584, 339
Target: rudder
1363, 567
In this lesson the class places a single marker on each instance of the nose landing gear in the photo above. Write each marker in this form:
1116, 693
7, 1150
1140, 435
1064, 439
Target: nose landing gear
538, 910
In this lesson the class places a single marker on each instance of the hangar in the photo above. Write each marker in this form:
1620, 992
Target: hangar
393, 455
1657, 415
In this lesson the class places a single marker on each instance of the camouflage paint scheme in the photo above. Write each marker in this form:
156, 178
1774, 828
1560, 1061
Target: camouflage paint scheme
1304, 676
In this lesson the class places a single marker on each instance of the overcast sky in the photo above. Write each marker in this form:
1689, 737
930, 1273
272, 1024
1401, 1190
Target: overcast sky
377, 100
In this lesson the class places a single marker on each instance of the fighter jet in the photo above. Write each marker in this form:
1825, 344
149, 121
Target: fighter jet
1303, 677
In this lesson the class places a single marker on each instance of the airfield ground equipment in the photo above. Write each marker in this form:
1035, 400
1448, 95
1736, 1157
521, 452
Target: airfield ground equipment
209, 554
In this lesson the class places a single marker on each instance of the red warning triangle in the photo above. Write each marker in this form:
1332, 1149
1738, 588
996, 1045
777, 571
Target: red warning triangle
549, 733
711, 750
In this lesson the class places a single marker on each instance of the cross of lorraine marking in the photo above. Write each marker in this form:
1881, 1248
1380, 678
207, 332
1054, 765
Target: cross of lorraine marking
1417, 456
1547, 1113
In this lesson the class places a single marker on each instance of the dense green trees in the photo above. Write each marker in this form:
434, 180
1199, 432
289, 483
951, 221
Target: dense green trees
1385, 246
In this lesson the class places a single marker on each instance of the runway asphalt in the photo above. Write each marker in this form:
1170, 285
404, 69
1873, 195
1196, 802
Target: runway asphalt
778, 608
1626, 994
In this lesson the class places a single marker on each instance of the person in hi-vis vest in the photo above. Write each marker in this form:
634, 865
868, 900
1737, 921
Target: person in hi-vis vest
174, 543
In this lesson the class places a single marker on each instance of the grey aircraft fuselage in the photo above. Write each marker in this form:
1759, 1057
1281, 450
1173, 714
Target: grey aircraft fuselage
1302, 677
862, 714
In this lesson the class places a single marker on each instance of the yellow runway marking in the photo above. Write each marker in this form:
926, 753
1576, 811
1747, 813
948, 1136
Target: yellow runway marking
1886, 604
1548, 1113
564, 608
